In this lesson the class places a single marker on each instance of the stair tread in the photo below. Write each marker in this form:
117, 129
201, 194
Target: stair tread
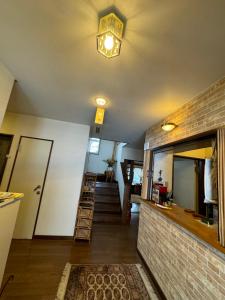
107, 219
105, 211
105, 190
115, 195
107, 195
110, 184
107, 203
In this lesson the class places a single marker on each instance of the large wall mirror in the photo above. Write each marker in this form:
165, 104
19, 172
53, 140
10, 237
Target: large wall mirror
187, 176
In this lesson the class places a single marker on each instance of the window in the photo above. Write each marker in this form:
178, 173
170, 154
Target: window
138, 173
94, 145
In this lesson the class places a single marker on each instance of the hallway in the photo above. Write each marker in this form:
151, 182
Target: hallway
37, 264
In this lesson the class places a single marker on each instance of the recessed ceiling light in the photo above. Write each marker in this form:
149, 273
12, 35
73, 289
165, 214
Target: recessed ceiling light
168, 126
100, 101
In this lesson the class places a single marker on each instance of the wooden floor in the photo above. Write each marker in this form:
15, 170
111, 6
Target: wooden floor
37, 265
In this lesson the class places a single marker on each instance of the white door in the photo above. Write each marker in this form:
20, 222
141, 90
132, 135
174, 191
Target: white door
28, 177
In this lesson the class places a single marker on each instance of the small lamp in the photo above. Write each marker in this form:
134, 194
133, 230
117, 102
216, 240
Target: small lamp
168, 126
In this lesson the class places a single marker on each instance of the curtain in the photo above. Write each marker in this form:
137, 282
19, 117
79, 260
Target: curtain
221, 183
210, 177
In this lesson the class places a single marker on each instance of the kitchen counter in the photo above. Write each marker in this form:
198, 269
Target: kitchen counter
8, 214
193, 226
182, 253
13, 198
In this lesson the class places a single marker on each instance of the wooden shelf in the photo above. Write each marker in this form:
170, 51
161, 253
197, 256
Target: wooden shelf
86, 208
204, 233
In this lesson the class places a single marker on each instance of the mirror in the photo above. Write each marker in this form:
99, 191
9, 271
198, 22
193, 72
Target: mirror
189, 178
186, 174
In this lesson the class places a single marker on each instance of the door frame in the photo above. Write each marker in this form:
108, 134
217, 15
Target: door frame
45, 176
6, 160
199, 180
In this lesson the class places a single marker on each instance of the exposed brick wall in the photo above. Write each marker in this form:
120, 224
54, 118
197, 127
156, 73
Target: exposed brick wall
184, 267
203, 113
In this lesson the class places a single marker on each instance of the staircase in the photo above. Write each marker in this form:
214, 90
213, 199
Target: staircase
107, 203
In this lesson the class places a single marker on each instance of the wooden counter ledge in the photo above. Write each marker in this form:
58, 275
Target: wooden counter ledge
192, 226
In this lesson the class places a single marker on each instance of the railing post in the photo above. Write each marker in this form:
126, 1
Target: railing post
126, 215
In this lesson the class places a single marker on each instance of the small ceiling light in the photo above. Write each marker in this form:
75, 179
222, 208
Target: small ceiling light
99, 116
100, 101
168, 126
110, 33
109, 42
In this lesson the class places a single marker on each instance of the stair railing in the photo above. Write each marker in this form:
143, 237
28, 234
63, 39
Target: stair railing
127, 168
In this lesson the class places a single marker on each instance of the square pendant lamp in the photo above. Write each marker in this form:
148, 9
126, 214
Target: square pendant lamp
110, 33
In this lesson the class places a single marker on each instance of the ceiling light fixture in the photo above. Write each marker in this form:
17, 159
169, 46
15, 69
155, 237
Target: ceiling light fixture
110, 33
100, 101
168, 126
99, 115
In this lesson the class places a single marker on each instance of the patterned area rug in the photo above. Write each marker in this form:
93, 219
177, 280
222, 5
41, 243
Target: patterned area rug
105, 282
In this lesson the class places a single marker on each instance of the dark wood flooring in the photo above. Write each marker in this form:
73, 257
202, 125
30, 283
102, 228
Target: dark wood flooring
37, 264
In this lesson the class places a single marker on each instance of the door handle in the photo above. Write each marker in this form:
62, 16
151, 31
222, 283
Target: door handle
37, 187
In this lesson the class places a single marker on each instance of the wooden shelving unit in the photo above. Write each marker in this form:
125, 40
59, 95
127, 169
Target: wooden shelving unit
86, 208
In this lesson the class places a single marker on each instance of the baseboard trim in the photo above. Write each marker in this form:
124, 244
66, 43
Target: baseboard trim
160, 292
52, 237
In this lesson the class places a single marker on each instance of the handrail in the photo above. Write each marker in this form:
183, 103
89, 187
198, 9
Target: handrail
124, 172
128, 179
128, 164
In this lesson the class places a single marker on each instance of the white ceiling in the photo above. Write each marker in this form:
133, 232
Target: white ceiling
172, 50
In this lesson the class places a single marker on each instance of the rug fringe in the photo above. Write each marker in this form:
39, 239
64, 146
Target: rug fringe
63, 282
149, 288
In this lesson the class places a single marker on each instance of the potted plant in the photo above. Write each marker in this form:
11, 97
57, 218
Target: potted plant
110, 163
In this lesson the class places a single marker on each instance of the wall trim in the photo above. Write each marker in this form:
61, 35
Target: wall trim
189, 139
150, 274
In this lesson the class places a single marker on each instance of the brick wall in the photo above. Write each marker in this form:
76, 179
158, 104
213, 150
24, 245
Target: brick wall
203, 113
184, 267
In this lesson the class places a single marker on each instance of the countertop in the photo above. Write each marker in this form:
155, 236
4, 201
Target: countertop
193, 226
13, 198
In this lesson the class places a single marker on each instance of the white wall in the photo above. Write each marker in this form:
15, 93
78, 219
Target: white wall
6, 84
132, 154
124, 152
61, 194
118, 171
95, 161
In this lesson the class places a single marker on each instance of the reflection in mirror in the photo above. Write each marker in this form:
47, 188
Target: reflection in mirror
163, 169
186, 175
185, 182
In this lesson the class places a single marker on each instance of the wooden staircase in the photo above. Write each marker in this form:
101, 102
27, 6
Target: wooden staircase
107, 203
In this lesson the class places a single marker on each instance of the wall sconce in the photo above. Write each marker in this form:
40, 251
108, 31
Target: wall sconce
99, 116
168, 126
110, 33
